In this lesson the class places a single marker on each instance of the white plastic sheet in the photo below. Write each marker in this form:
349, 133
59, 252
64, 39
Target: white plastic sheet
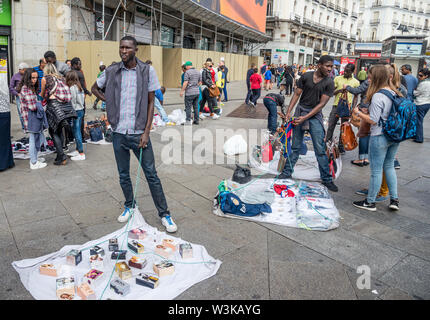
177, 116
187, 272
235, 145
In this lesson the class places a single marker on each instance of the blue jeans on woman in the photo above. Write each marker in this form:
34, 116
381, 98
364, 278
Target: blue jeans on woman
272, 119
363, 147
421, 113
32, 148
382, 153
77, 131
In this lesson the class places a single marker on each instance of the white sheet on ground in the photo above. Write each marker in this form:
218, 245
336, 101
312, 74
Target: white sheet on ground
311, 211
187, 272
24, 155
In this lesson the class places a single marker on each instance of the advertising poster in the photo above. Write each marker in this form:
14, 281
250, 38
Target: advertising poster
251, 13
4, 88
344, 61
5, 13
409, 49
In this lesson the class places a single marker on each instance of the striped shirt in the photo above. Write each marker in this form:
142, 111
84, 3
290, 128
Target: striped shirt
127, 116
193, 77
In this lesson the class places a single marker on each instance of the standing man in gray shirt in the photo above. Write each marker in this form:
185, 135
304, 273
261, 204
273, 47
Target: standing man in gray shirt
129, 93
192, 80
62, 68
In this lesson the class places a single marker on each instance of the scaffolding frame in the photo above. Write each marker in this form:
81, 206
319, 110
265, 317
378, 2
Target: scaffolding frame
231, 36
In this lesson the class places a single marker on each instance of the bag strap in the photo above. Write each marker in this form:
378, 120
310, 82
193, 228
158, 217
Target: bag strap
387, 93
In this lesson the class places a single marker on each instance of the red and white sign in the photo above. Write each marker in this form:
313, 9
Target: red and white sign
370, 55
344, 61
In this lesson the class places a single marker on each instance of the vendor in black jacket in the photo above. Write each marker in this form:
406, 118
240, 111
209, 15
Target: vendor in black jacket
271, 102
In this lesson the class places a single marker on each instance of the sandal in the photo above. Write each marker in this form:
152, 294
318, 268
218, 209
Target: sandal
360, 164
366, 163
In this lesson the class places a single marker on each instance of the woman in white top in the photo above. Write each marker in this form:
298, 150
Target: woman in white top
78, 100
422, 100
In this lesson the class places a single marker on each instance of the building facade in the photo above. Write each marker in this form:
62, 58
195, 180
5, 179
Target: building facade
304, 30
381, 19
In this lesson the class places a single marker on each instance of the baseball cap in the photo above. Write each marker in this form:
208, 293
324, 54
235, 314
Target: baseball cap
23, 65
188, 63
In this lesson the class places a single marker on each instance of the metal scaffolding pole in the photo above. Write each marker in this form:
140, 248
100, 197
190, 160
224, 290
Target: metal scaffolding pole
215, 38
182, 31
103, 18
161, 21
124, 17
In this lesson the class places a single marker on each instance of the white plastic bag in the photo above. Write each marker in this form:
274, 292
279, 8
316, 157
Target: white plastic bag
157, 121
177, 116
235, 145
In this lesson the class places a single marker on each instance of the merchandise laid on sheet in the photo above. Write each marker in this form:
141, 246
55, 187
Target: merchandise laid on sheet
298, 204
148, 265
20, 148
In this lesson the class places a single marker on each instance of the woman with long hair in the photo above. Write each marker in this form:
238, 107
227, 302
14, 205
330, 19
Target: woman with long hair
33, 115
56, 94
381, 150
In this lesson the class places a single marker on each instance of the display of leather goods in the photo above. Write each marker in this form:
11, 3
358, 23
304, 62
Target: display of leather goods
169, 243
119, 254
93, 277
49, 270
123, 270
213, 92
113, 244
96, 262
65, 288
147, 280
96, 250
348, 137
74, 257
241, 175
186, 250
364, 129
137, 262
355, 120
120, 287
164, 268
135, 246
342, 109
163, 251
86, 292
138, 234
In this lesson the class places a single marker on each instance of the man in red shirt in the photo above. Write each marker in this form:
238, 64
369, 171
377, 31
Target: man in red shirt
256, 81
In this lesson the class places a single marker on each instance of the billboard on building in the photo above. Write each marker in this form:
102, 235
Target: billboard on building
5, 13
251, 13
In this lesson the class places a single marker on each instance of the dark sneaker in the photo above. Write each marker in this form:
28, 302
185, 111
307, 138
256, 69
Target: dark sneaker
196, 122
341, 150
362, 192
364, 205
331, 186
394, 204
396, 164
381, 198
284, 176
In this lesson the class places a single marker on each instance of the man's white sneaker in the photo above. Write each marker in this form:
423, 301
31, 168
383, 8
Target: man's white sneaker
128, 212
168, 222
73, 154
37, 165
215, 116
41, 159
78, 157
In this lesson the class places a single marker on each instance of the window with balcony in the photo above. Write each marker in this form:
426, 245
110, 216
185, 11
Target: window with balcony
293, 37
302, 39
339, 47
324, 44
332, 45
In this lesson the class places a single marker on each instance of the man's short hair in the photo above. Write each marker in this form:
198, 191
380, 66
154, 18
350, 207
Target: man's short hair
350, 66
407, 67
130, 38
325, 59
41, 60
208, 60
50, 54
163, 89
75, 61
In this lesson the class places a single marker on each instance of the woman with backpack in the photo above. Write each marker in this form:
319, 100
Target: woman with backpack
78, 100
33, 115
56, 96
381, 150
422, 101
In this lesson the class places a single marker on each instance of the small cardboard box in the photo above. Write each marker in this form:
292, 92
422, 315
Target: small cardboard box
123, 270
74, 257
86, 292
96, 250
93, 277
163, 251
169, 243
120, 255
120, 287
96, 262
138, 234
136, 246
65, 288
137, 262
164, 268
147, 280
49, 270
186, 250
113, 244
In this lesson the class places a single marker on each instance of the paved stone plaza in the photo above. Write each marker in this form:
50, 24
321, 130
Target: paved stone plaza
43, 210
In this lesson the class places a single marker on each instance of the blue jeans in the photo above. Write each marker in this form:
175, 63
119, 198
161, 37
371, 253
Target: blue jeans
225, 91
248, 95
363, 147
421, 113
272, 120
32, 149
122, 144
161, 110
256, 93
18, 104
77, 131
382, 153
317, 132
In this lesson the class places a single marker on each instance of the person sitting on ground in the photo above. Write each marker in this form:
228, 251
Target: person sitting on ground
271, 101
158, 104
102, 69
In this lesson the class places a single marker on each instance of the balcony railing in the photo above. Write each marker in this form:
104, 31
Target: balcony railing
354, 15
374, 21
397, 4
331, 5
377, 4
405, 6
426, 28
307, 22
324, 2
317, 46
421, 10
302, 42
413, 9
317, 1
345, 11
395, 22
325, 48
338, 8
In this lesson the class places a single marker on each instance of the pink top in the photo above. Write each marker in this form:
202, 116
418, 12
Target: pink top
256, 81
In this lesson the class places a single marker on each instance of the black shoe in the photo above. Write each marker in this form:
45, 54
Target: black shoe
195, 122
341, 150
396, 164
284, 176
331, 186
60, 161
224, 101
417, 141
364, 205
394, 204
360, 164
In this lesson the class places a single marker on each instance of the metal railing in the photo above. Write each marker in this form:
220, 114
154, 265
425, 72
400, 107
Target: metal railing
413, 8
377, 4
330, 5
397, 4
374, 21
395, 22
338, 8
324, 2
354, 14
345, 11
302, 42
